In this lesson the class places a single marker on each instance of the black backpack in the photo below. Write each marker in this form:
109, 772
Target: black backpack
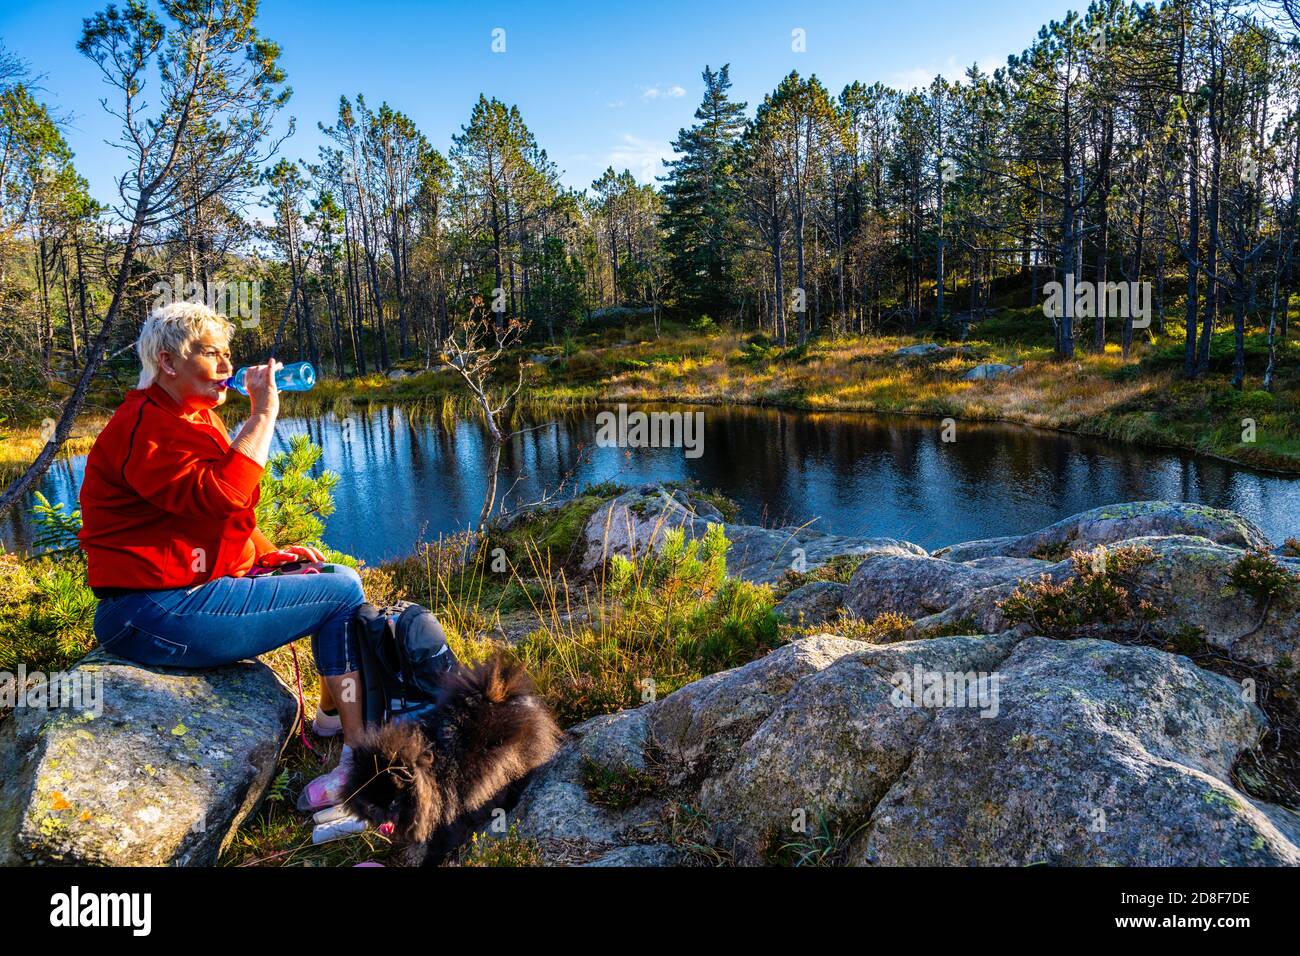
404, 657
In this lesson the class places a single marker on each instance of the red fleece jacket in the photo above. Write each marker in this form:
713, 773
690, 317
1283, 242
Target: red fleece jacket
166, 502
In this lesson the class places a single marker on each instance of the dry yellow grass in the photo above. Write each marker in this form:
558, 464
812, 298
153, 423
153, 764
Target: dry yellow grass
20, 446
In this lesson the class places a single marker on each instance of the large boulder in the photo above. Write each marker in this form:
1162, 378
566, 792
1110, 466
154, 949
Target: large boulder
958, 750
1098, 755
813, 603
1189, 585
637, 521
918, 585
156, 767
703, 722
557, 808
1111, 523
991, 370
972, 550
833, 746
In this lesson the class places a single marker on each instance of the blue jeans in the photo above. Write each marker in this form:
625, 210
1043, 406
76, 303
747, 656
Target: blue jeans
230, 619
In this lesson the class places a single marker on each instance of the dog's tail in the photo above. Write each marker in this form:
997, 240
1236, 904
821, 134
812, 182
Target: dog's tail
497, 680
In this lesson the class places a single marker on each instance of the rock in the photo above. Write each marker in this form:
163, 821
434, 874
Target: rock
637, 520
538, 359
704, 723
1044, 751
991, 370
1099, 755
1137, 519
813, 603
918, 585
1189, 583
921, 348
1111, 523
654, 854
972, 550
1098, 749
162, 776
398, 374
1012, 567
834, 745
555, 808
698, 728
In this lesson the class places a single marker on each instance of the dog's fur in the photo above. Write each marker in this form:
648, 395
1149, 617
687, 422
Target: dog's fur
440, 780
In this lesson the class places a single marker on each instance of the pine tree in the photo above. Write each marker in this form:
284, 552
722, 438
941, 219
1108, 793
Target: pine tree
701, 197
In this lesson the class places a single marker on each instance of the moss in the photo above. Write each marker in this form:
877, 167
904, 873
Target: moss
1186, 640
838, 569
958, 628
553, 535
616, 788
885, 628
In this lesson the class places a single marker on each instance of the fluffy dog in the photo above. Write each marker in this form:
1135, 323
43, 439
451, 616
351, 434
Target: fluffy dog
439, 780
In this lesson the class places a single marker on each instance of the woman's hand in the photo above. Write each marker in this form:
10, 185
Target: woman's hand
296, 552
254, 439
263, 394
303, 553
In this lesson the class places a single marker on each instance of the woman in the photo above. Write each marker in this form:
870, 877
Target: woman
170, 536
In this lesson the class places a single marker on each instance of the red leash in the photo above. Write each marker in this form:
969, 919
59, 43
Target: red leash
302, 707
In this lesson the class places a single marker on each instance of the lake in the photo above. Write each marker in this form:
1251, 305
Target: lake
404, 479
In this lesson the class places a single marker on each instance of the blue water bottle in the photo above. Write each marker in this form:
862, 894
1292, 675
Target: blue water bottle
298, 377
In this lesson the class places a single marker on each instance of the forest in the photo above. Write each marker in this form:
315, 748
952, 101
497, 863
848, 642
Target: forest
1153, 146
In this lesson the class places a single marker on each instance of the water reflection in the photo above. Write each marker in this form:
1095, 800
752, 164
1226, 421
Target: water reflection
404, 478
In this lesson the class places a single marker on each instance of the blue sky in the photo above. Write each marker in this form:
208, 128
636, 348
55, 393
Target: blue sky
598, 83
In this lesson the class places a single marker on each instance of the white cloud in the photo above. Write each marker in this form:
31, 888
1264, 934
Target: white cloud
911, 79
952, 71
643, 157
655, 92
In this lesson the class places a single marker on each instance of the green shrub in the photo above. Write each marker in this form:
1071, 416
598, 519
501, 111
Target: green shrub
825, 843
47, 612
885, 628
584, 365
658, 622
1260, 575
293, 503
56, 529
511, 849
1091, 596
838, 569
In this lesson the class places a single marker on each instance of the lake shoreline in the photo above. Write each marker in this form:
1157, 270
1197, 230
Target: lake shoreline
716, 402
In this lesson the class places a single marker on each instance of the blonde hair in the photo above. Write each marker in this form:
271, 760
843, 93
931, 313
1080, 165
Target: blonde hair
172, 328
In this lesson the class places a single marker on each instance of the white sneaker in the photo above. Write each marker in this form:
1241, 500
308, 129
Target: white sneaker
335, 826
323, 725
